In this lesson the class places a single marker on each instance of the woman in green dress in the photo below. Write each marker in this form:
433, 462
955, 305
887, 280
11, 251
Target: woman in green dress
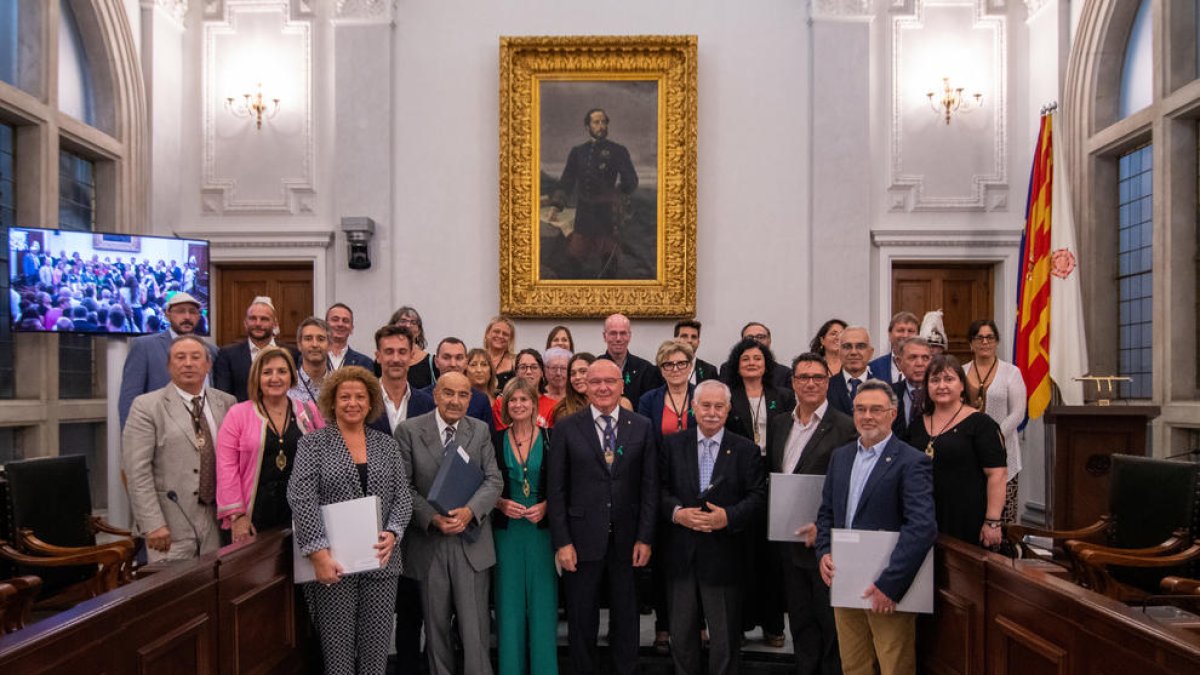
525, 585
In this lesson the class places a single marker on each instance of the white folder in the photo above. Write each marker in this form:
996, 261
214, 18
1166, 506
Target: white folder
859, 556
793, 502
352, 528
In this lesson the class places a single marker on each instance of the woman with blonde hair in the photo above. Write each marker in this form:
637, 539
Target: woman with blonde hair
498, 340
480, 373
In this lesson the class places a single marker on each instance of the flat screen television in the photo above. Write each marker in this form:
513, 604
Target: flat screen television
92, 282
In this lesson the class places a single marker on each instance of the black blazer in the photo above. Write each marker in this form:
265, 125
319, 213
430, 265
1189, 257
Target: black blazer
640, 376
419, 403
834, 431
231, 370
705, 371
499, 520
353, 358
901, 424
741, 419
586, 500
651, 407
715, 557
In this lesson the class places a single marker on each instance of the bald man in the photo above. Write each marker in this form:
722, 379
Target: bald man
639, 375
602, 493
231, 370
451, 554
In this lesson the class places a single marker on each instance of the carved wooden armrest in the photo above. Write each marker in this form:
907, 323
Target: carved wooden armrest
1177, 541
1181, 585
31, 543
1016, 533
101, 555
16, 615
98, 524
1097, 557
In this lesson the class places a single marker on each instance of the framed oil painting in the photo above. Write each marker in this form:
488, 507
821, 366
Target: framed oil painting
598, 176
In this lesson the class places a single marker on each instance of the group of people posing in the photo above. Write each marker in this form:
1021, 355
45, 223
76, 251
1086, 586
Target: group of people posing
594, 468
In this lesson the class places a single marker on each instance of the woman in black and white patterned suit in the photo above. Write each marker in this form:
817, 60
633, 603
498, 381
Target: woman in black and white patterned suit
348, 460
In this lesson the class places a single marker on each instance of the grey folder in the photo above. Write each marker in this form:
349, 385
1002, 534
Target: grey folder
793, 501
859, 556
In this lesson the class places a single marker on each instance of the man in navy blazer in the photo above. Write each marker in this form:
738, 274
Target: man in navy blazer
451, 357
915, 355
340, 318
902, 326
231, 370
145, 367
713, 490
856, 351
602, 489
878, 483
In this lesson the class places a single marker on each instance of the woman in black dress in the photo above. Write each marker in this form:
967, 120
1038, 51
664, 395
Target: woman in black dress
969, 464
421, 372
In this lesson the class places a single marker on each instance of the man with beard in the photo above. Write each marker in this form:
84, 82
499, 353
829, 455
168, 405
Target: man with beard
231, 370
313, 339
145, 367
601, 175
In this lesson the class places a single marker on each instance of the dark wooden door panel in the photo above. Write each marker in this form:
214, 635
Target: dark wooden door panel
962, 291
288, 286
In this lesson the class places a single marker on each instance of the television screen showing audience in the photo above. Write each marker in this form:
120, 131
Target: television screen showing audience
87, 282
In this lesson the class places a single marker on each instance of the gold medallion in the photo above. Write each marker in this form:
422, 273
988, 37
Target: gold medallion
525, 487
608, 457
281, 460
929, 449
200, 443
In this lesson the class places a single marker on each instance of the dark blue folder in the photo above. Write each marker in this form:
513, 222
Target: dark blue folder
455, 483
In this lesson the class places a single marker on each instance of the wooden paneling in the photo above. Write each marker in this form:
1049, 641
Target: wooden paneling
231, 612
952, 643
963, 293
288, 286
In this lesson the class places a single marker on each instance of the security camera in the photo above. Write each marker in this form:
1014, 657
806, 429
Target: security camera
359, 231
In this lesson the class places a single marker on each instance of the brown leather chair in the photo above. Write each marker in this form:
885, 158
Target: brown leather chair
16, 602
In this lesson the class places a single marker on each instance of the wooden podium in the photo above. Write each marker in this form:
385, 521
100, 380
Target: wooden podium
1082, 440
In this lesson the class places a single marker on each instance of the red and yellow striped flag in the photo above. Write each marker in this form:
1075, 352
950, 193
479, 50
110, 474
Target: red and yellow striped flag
1033, 289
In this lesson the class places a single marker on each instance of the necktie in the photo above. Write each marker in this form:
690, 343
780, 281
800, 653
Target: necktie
918, 400
610, 440
449, 438
854, 382
208, 470
706, 462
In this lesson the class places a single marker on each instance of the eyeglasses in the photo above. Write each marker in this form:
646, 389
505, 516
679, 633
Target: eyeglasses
855, 346
674, 365
873, 411
939, 379
984, 339
805, 379
757, 337
556, 369
528, 367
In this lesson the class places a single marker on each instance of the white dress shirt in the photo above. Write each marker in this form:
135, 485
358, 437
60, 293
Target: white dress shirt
801, 433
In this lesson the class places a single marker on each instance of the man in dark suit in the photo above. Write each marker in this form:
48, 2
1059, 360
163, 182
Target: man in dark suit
856, 351
761, 334
639, 375
451, 357
887, 367
602, 489
232, 368
340, 318
688, 331
713, 489
915, 355
878, 483
145, 367
393, 348
451, 556
802, 443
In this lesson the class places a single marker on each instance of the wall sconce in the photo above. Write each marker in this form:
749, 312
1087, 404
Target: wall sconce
253, 105
953, 100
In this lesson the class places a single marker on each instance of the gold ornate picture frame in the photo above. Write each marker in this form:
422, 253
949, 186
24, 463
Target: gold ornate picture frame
593, 223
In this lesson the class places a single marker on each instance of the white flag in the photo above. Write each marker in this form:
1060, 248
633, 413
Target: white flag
1068, 348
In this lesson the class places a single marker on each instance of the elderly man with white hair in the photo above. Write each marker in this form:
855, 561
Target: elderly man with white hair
713, 489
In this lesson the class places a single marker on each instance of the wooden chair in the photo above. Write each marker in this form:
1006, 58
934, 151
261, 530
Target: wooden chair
15, 609
51, 532
1153, 520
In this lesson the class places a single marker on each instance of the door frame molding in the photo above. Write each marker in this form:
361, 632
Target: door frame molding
998, 247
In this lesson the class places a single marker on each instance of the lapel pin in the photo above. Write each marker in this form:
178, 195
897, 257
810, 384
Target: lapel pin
887, 459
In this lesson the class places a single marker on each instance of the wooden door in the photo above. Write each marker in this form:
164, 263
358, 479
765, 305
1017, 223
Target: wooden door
962, 291
290, 287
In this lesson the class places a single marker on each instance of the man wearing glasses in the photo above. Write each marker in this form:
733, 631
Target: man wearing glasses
603, 494
762, 335
856, 351
802, 443
878, 483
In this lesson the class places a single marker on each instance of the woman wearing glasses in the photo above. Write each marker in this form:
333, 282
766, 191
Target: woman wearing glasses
996, 387
968, 456
421, 372
556, 360
529, 368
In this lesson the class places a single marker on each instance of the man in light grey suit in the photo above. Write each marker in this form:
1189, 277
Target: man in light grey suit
146, 364
450, 555
168, 460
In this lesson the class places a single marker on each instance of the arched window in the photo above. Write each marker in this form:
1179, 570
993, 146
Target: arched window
1137, 75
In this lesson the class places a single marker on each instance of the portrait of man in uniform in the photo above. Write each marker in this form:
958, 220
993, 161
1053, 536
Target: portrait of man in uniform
599, 207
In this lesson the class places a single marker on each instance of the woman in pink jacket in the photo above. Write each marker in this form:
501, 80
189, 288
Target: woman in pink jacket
256, 446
